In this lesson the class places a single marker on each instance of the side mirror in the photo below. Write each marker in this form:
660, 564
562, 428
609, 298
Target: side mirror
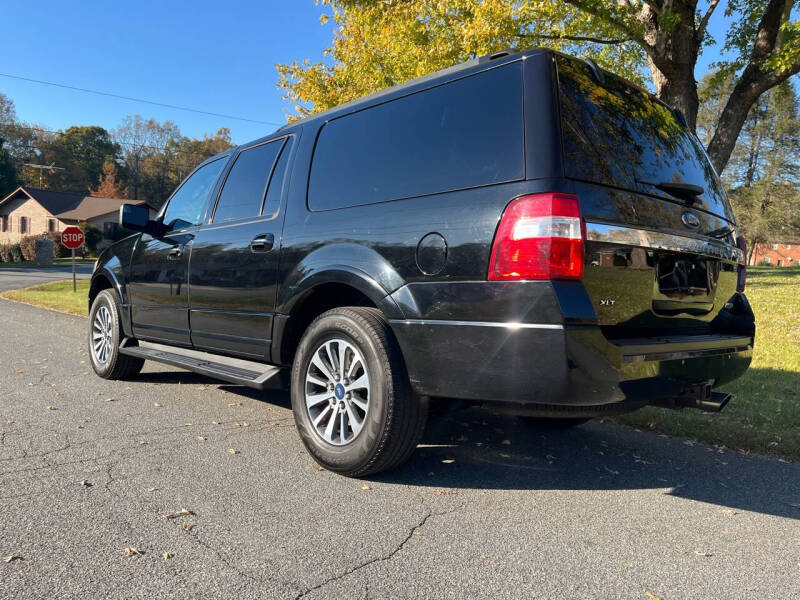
134, 217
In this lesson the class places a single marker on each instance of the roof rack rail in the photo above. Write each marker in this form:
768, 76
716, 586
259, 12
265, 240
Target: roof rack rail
598, 74
496, 55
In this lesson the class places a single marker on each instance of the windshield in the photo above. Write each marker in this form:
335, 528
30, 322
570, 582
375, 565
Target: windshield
616, 134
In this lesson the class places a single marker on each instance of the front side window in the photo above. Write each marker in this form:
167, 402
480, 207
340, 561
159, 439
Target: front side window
185, 208
246, 185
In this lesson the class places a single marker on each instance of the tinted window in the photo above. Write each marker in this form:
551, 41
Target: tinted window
616, 134
246, 184
273, 201
185, 208
458, 135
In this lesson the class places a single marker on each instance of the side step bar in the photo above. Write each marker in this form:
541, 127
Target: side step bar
242, 372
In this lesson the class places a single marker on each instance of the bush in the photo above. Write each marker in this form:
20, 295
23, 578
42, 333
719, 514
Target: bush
93, 236
5, 253
28, 246
764, 263
16, 253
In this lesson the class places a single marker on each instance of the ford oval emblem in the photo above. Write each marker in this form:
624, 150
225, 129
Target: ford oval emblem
690, 220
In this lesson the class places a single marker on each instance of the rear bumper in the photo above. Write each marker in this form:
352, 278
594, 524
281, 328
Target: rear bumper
568, 365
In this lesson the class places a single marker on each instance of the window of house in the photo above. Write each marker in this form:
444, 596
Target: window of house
774, 246
789, 259
788, 246
51, 225
4, 222
23, 225
767, 259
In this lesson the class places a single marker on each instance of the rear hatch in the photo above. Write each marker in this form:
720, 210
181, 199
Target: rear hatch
660, 252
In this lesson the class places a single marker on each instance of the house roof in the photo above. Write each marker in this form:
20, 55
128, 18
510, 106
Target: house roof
69, 206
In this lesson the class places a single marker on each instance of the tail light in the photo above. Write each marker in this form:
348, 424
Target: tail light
741, 280
539, 237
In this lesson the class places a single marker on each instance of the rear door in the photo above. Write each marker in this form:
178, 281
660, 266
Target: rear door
661, 255
158, 276
234, 263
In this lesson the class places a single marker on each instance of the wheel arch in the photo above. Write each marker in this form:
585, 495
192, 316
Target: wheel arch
327, 288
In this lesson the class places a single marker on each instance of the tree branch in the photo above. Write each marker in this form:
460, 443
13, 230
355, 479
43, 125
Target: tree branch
706, 17
621, 25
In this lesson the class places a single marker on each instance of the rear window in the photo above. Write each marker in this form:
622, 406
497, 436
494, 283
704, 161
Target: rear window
616, 134
462, 134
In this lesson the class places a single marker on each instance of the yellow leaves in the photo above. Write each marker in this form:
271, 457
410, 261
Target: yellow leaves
167, 555
131, 551
232, 451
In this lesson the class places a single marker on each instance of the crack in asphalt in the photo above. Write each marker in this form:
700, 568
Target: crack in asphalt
378, 559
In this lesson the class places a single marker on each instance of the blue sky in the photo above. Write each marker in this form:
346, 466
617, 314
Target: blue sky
213, 56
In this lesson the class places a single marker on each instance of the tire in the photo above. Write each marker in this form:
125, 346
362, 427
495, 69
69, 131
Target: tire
555, 422
392, 424
109, 363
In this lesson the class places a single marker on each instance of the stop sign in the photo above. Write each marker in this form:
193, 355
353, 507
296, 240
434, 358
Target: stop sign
72, 238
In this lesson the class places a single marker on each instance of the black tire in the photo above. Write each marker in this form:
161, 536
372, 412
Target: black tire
555, 422
395, 421
116, 365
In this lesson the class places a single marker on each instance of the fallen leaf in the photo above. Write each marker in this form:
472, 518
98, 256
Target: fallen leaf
9, 422
186, 526
215, 422
365, 487
201, 438
232, 451
184, 512
156, 404
19, 371
652, 596
85, 483
702, 553
443, 492
51, 408
166, 555
234, 403
245, 424
131, 551
152, 489
316, 467
11, 558
108, 399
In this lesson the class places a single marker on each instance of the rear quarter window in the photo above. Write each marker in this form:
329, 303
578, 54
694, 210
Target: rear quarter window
462, 134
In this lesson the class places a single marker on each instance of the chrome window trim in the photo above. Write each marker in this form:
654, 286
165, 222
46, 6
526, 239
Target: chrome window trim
511, 325
657, 240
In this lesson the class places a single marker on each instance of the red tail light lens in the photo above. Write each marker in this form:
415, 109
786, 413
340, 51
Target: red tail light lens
741, 280
539, 237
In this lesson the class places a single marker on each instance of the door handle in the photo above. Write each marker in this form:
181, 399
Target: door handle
262, 243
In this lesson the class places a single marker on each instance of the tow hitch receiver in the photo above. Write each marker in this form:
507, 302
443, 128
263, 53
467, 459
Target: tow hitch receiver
699, 396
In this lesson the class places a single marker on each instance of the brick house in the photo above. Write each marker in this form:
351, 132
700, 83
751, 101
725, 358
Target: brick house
783, 254
32, 211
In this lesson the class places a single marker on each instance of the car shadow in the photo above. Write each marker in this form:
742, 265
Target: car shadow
475, 449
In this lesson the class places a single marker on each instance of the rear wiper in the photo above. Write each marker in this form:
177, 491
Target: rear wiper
685, 191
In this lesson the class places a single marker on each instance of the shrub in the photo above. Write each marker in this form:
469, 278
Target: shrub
28, 246
16, 253
5, 253
93, 234
764, 263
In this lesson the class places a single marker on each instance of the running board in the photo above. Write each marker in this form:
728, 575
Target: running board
233, 370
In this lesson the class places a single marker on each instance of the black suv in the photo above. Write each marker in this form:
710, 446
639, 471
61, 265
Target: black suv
524, 231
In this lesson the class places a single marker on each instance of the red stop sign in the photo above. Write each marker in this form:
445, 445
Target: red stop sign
72, 238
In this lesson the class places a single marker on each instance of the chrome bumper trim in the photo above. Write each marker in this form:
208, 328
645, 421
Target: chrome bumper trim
656, 240
511, 326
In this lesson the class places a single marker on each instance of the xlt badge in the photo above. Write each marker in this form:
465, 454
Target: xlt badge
607, 302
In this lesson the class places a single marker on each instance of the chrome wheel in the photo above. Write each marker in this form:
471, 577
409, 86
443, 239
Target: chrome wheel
102, 339
337, 391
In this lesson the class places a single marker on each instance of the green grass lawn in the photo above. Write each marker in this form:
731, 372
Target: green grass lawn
57, 295
764, 416
57, 262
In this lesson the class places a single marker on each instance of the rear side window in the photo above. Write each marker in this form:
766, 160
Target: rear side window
462, 134
616, 134
246, 185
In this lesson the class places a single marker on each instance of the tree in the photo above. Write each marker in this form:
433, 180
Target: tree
110, 186
378, 44
81, 151
763, 174
8, 174
144, 143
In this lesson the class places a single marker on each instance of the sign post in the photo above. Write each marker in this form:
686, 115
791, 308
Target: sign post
72, 238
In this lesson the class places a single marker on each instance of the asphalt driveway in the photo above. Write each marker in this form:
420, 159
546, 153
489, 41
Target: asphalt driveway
487, 507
